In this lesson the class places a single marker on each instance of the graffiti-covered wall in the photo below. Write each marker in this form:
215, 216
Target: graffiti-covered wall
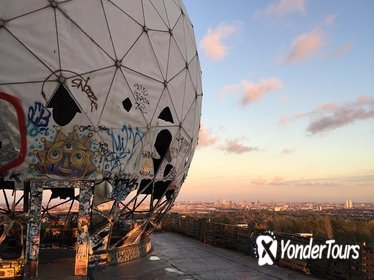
98, 101
106, 92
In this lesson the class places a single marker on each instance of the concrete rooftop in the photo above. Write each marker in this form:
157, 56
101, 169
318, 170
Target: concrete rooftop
174, 256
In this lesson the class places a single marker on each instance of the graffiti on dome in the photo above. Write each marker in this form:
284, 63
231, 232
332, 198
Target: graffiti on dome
141, 98
66, 155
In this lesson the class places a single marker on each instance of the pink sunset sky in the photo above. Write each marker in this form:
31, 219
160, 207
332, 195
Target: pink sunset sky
288, 108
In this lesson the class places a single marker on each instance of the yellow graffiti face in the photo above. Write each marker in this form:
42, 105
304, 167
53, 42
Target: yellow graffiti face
66, 156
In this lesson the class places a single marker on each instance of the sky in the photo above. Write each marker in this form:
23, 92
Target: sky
288, 105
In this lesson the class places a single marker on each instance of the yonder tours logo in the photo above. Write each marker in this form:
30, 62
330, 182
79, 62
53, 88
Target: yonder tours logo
267, 249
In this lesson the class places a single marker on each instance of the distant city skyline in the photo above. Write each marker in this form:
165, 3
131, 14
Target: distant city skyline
288, 104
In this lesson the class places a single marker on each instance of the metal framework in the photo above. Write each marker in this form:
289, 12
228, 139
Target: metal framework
100, 237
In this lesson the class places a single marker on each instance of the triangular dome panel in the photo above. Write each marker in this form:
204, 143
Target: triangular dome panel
91, 91
146, 93
190, 41
145, 61
177, 90
121, 25
78, 59
18, 64
41, 42
195, 72
189, 120
179, 36
117, 100
160, 7
176, 62
133, 8
173, 12
161, 49
153, 19
189, 94
27, 7
165, 114
93, 28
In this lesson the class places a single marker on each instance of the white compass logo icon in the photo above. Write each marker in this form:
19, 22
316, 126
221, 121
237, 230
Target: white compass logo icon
266, 249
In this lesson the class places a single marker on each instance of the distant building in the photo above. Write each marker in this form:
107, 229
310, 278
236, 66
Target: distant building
348, 204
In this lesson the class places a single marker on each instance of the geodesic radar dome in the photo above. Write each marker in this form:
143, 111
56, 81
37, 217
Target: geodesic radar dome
110, 90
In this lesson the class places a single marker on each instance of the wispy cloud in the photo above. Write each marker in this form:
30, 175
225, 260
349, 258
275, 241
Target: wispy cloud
214, 43
277, 180
286, 119
330, 19
332, 182
285, 7
259, 182
330, 116
310, 44
250, 91
286, 151
341, 50
280, 181
234, 146
303, 47
206, 138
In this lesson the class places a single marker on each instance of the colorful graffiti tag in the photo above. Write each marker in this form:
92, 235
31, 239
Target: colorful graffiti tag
67, 156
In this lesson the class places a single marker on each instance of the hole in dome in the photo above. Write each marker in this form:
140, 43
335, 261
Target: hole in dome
63, 105
127, 104
166, 115
161, 145
143, 184
169, 194
160, 189
167, 170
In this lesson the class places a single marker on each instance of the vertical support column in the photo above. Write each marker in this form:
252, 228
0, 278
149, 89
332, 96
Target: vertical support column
83, 238
33, 231
26, 192
114, 216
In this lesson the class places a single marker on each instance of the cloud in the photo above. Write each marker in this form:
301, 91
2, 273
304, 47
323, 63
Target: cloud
286, 119
315, 183
342, 50
259, 182
250, 91
277, 180
330, 116
206, 138
213, 43
330, 19
280, 181
326, 118
286, 151
285, 7
303, 47
311, 43
327, 107
234, 146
